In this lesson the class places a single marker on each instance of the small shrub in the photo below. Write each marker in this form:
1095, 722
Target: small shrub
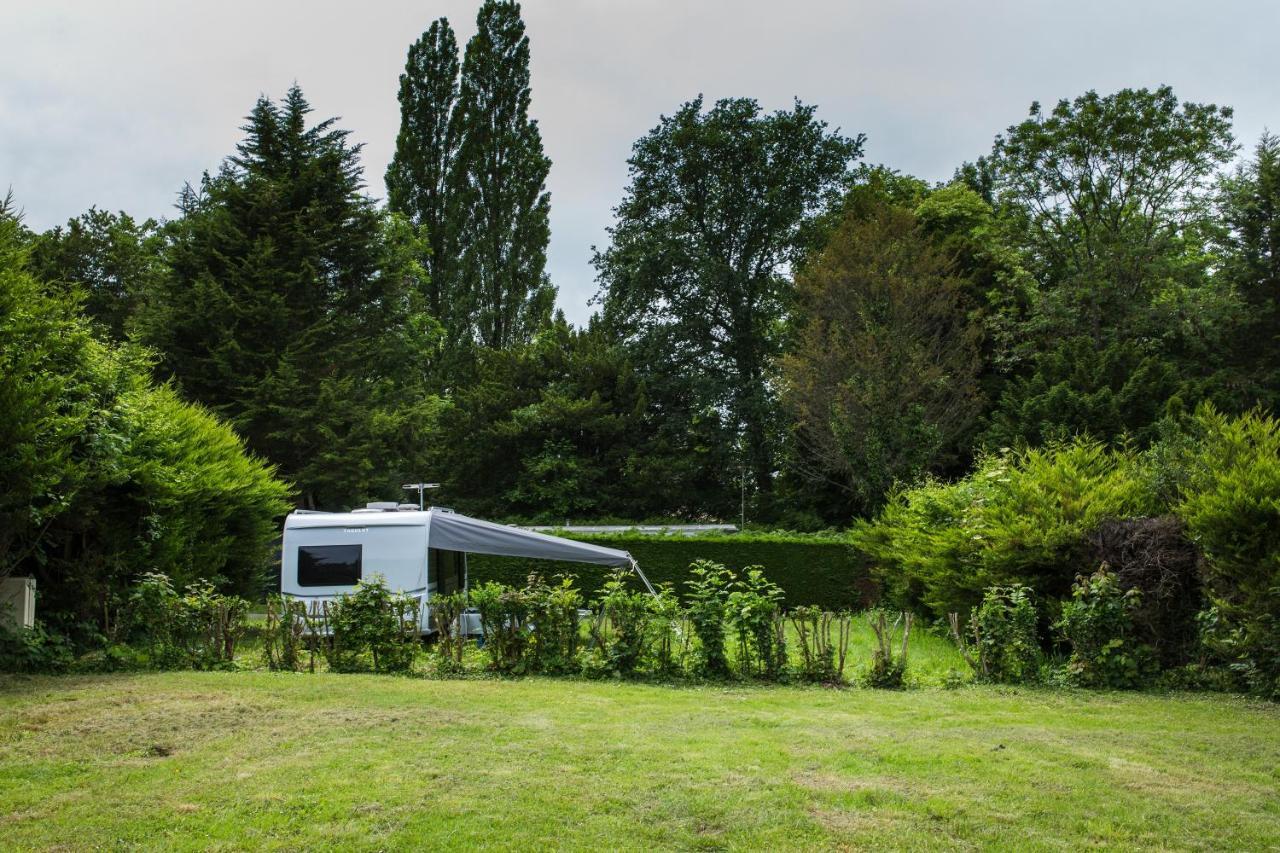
708, 608
284, 634
1001, 643
823, 638
504, 619
32, 650
372, 628
1097, 624
446, 615
197, 629
755, 614
887, 669
620, 628
670, 633
553, 613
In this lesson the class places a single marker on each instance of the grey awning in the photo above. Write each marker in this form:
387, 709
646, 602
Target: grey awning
454, 532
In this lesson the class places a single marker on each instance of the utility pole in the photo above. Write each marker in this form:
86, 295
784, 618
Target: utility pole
422, 489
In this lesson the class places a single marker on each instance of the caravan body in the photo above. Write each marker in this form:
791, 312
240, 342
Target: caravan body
326, 553
419, 552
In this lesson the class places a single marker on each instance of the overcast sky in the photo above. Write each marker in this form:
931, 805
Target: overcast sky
117, 104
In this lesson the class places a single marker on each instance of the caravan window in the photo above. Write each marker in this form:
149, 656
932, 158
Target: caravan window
328, 565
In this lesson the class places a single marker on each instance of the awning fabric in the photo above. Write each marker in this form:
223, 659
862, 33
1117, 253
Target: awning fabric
454, 532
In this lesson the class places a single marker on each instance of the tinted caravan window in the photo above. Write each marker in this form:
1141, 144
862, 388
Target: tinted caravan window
328, 565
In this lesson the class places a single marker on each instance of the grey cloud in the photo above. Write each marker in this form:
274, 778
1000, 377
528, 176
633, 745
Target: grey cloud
118, 104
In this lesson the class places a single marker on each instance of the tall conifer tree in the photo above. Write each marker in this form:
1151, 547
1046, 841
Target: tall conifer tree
291, 308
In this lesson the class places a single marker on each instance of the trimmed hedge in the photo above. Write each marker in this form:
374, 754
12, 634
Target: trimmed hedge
811, 569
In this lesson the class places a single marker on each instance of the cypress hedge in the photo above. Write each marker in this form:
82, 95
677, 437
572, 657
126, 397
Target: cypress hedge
812, 569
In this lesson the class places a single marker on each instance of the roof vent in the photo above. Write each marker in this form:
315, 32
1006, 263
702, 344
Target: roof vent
384, 506
408, 507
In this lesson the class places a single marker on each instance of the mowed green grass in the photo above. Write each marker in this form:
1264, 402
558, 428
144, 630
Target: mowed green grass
260, 760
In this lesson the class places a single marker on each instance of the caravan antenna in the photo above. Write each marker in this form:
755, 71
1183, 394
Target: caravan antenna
421, 488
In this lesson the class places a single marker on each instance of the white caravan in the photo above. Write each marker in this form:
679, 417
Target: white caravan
419, 552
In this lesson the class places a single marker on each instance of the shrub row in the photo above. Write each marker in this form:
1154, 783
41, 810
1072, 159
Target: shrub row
1138, 561
819, 570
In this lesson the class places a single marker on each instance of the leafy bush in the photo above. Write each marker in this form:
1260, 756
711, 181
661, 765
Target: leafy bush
887, 669
822, 569
553, 612
1021, 518
446, 615
31, 650
284, 635
107, 475
504, 618
755, 614
372, 628
1001, 643
620, 628
1154, 557
708, 605
670, 633
1231, 503
1097, 623
195, 629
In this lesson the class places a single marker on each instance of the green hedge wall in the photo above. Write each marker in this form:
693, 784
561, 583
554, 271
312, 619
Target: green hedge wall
811, 569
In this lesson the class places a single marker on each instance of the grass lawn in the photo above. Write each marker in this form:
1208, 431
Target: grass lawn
255, 759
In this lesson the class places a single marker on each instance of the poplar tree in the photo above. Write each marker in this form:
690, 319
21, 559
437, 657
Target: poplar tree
499, 201
420, 172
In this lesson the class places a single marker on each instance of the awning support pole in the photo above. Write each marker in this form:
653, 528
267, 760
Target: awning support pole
636, 567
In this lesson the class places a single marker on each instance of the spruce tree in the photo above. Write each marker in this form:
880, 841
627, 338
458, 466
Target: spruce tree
498, 199
291, 308
426, 148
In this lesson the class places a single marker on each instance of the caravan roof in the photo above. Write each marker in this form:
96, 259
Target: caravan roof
453, 532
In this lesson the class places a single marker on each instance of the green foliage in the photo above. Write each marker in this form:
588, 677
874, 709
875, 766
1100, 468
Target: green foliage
292, 306
32, 650
1019, 518
1097, 622
1106, 198
670, 633
709, 587
195, 629
1000, 642
822, 655
718, 206
1248, 247
889, 657
107, 475
372, 628
881, 377
420, 174
111, 259
549, 430
755, 616
446, 616
284, 636
553, 613
1231, 504
499, 204
620, 628
504, 615
822, 569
